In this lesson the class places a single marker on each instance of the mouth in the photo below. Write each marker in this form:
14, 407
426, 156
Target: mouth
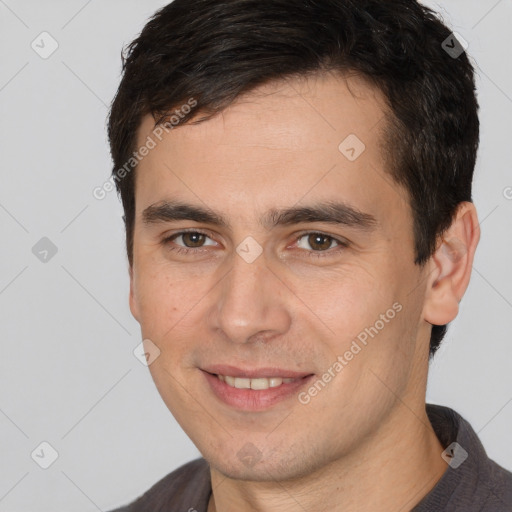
258, 383
254, 390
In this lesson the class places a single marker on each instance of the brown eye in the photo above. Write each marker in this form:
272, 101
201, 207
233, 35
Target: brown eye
193, 239
189, 242
318, 242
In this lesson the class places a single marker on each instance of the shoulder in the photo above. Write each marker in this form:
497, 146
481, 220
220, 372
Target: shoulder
187, 487
499, 485
472, 481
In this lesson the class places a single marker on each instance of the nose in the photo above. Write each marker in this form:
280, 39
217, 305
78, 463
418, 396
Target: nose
250, 303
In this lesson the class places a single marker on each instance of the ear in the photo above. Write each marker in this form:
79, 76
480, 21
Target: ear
134, 307
450, 266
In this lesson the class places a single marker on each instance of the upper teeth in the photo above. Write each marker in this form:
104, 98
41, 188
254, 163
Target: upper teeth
260, 383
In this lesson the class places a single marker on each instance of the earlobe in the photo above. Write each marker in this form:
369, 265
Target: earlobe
450, 267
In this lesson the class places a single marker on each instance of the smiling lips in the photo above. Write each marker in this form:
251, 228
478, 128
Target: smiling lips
254, 389
259, 383
234, 374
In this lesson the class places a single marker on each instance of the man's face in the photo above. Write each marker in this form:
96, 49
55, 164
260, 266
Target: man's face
284, 286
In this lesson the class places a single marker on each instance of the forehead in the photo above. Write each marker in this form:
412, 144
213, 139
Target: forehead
273, 146
327, 104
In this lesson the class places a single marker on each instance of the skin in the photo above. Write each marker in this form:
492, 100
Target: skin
364, 441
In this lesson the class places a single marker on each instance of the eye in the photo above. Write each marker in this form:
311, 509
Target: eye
190, 239
318, 242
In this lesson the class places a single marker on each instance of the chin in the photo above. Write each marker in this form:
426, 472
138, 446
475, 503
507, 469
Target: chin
247, 464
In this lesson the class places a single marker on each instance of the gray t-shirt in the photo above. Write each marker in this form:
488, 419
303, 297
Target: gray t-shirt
471, 483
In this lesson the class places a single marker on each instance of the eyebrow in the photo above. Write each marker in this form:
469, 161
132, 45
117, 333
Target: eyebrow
330, 212
167, 211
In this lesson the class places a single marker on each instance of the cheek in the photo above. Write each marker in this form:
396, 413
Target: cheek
367, 320
387, 341
158, 305
372, 365
345, 301
164, 299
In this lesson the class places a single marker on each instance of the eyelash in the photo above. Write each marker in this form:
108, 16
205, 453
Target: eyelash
312, 254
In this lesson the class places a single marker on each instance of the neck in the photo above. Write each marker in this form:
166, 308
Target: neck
391, 471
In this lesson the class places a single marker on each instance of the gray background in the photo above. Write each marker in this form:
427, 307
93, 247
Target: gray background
68, 375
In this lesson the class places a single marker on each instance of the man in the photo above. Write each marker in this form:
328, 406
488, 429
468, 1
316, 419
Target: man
296, 182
